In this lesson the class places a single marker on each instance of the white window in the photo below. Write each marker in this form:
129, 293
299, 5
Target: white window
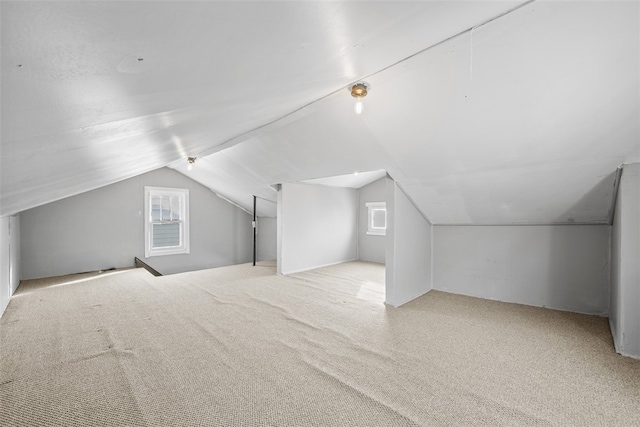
166, 226
377, 218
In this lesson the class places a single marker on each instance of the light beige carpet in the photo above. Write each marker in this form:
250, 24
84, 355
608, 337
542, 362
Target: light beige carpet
241, 346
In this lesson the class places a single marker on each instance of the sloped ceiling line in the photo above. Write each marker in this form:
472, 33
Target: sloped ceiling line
244, 135
247, 135
614, 197
523, 144
413, 202
558, 102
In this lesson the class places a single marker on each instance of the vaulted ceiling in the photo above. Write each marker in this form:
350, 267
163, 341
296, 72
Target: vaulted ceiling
521, 119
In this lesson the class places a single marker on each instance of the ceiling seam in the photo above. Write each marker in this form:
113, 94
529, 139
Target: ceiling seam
415, 205
227, 142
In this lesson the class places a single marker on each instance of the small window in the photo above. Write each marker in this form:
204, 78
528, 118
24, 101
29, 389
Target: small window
377, 218
166, 227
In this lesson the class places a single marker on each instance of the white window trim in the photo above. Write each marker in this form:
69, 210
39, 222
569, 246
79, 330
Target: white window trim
371, 207
184, 248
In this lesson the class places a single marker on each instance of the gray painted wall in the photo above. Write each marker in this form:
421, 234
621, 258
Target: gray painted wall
624, 316
266, 239
9, 258
15, 273
558, 266
316, 226
408, 249
370, 248
104, 228
5, 264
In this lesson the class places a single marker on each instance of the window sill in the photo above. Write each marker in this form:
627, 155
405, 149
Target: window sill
180, 251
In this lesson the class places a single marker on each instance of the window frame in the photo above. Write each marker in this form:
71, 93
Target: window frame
184, 247
371, 208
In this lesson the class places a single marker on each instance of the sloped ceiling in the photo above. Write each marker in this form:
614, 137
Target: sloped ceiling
520, 121
352, 180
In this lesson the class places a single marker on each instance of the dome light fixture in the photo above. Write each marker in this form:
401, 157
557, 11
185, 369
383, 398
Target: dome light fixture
191, 161
359, 91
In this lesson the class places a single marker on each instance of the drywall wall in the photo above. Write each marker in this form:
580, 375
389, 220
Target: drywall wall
316, 226
15, 273
624, 316
9, 258
266, 245
104, 228
564, 267
408, 248
370, 247
5, 263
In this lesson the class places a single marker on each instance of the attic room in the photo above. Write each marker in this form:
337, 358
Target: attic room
348, 213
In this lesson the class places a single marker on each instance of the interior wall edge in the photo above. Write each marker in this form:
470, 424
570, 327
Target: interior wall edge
614, 330
409, 249
10, 273
614, 196
415, 205
624, 294
358, 213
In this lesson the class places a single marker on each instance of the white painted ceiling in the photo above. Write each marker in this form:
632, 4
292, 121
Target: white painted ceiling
522, 120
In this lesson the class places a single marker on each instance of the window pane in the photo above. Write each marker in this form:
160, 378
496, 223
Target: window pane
175, 208
166, 208
166, 235
155, 208
167, 225
379, 218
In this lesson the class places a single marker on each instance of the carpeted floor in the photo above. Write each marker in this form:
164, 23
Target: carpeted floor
241, 346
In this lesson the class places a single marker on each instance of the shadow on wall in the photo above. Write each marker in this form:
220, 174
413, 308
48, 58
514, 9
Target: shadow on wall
578, 260
589, 209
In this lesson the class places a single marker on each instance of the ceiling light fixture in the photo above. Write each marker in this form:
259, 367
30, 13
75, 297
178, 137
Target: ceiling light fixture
191, 161
359, 91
